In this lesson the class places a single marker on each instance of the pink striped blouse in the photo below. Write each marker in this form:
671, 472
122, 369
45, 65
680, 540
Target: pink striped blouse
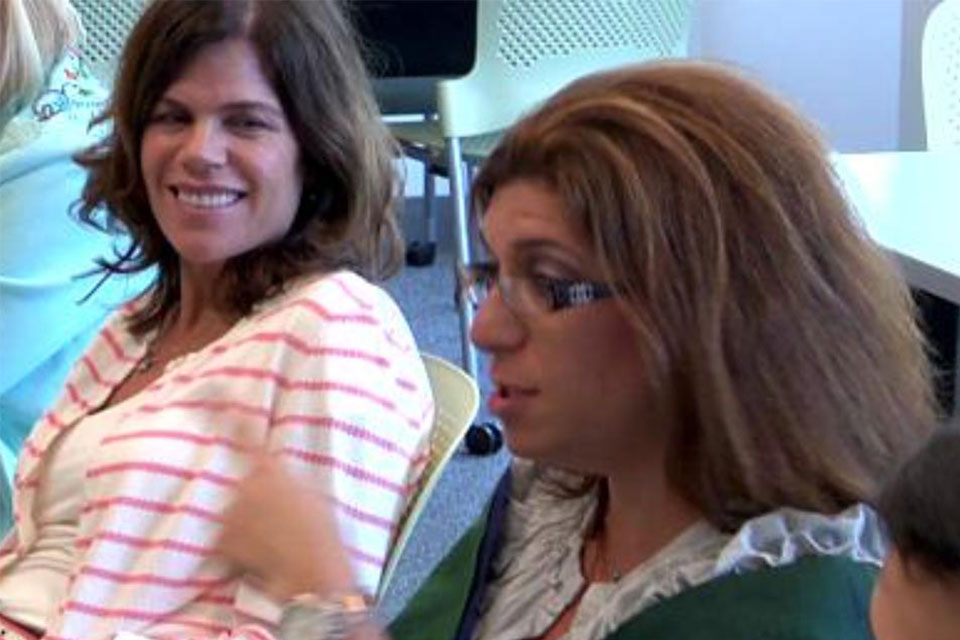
326, 375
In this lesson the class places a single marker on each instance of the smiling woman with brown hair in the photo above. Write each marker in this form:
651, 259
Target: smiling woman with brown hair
703, 366
247, 162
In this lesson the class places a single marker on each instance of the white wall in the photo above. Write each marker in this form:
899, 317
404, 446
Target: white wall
838, 61
852, 66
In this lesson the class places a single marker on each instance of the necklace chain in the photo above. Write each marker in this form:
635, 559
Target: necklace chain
150, 359
603, 564
146, 363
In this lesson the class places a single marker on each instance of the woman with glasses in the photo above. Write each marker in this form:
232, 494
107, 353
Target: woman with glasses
703, 368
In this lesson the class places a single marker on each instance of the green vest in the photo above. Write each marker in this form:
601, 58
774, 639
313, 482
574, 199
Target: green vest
814, 598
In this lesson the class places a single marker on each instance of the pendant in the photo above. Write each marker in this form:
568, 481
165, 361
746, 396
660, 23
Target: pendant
146, 363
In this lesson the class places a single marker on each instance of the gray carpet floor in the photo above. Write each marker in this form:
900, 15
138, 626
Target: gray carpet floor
425, 294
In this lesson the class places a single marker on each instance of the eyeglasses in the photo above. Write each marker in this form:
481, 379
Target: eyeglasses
529, 295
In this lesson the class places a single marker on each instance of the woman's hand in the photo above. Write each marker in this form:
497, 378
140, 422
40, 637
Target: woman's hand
284, 532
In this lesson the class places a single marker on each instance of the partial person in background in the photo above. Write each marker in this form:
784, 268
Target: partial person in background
48, 98
918, 592
703, 367
248, 162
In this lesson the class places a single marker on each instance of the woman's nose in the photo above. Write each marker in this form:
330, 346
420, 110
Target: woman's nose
495, 327
204, 147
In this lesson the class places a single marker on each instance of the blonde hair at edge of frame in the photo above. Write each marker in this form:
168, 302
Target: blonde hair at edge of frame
33, 36
780, 342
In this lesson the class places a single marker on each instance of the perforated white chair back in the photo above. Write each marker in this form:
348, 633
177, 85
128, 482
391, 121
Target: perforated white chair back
941, 75
528, 49
107, 24
456, 398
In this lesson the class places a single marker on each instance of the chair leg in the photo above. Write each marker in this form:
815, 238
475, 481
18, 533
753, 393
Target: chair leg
458, 193
422, 253
429, 196
482, 438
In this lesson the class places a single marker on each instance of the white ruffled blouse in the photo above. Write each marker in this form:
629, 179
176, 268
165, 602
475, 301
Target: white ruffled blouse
544, 534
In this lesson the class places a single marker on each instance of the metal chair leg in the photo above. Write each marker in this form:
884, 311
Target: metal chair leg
483, 438
458, 193
429, 196
422, 253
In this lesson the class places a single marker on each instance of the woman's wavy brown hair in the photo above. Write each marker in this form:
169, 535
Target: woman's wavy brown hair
310, 55
780, 340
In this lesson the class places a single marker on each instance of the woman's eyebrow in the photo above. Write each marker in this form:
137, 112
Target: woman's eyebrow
236, 105
547, 248
538, 244
254, 105
529, 249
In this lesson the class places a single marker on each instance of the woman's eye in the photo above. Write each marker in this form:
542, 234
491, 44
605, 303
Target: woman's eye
485, 276
544, 285
245, 123
168, 117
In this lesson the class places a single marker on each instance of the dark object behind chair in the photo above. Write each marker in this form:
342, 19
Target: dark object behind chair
411, 44
940, 321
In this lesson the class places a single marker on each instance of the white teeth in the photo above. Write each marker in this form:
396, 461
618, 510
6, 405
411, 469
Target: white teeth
208, 200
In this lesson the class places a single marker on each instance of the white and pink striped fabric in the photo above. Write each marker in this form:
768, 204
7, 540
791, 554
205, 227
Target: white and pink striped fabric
326, 375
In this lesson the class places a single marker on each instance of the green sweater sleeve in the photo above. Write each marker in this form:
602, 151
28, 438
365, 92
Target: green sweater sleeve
435, 611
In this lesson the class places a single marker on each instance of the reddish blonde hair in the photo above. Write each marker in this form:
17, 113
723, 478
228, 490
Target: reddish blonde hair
779, 338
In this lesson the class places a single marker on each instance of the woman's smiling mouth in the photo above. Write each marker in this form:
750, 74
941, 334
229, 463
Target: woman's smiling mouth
207, 198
